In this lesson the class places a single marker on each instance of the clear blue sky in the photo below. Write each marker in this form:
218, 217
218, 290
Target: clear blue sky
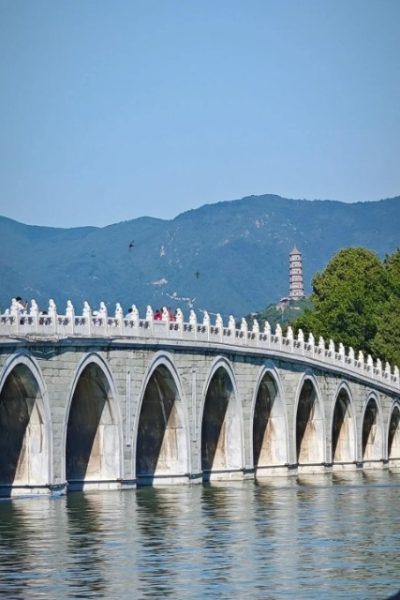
114, 110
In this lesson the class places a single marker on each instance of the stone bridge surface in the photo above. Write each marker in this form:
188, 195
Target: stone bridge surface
95, 401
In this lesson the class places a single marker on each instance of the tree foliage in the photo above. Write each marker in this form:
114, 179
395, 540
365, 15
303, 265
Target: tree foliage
356, 301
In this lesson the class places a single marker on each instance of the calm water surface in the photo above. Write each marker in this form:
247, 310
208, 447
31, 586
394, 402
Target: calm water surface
316, 537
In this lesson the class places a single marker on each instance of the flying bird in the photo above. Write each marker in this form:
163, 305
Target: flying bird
132, 244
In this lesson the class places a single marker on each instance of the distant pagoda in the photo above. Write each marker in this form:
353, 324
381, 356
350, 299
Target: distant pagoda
296, 288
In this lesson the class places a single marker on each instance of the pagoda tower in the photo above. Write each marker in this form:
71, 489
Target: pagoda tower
296, 288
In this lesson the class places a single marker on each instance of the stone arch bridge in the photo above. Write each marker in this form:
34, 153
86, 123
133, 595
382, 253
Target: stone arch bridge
99, 401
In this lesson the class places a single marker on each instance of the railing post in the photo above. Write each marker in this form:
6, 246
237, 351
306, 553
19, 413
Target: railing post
52, 312
278, 335
267, 332
351, 357
206, 324
256, 332
179, 319
219, 324
150, 319
119, 317
70, 314
87, 315
311, 344
370, 365
193, 322
34, 314
103, 316
290, 338
244, 330
15, 313
232, 327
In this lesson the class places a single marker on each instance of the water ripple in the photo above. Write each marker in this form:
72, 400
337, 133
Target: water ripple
316, 537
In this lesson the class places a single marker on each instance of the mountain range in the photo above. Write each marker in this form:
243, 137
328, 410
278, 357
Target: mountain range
228, 257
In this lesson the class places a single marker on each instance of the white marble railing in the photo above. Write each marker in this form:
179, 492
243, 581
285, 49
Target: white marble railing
17, 322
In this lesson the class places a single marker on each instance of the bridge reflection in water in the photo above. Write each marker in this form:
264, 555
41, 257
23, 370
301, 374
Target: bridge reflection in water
312, 537
95, 402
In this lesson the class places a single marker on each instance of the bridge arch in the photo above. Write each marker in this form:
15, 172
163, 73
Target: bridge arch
92, 428
221, 424
372, 431
343, 429
393, 435
161, 452
268, 426
309, 426
25, 426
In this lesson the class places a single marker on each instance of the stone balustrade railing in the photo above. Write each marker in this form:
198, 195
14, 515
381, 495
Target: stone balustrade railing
16, 322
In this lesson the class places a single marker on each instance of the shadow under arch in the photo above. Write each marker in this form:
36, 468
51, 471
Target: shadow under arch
161, 441
394, 435
309, 426
343, 430
269, 429
221, 436
371, 439
92, 449
24, 429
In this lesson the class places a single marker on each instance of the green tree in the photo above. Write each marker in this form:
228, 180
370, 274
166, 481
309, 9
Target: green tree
386, 343
348, 299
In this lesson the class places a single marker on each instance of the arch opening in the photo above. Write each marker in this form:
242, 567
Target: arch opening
371, 433
394, 435
309, 427
343, 442
92, 449
161, 449
220, 431
269, 431
24, 444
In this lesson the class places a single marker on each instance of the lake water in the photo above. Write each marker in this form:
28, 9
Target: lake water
316, 537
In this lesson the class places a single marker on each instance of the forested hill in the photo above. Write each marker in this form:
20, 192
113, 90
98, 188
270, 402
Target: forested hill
229, 257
